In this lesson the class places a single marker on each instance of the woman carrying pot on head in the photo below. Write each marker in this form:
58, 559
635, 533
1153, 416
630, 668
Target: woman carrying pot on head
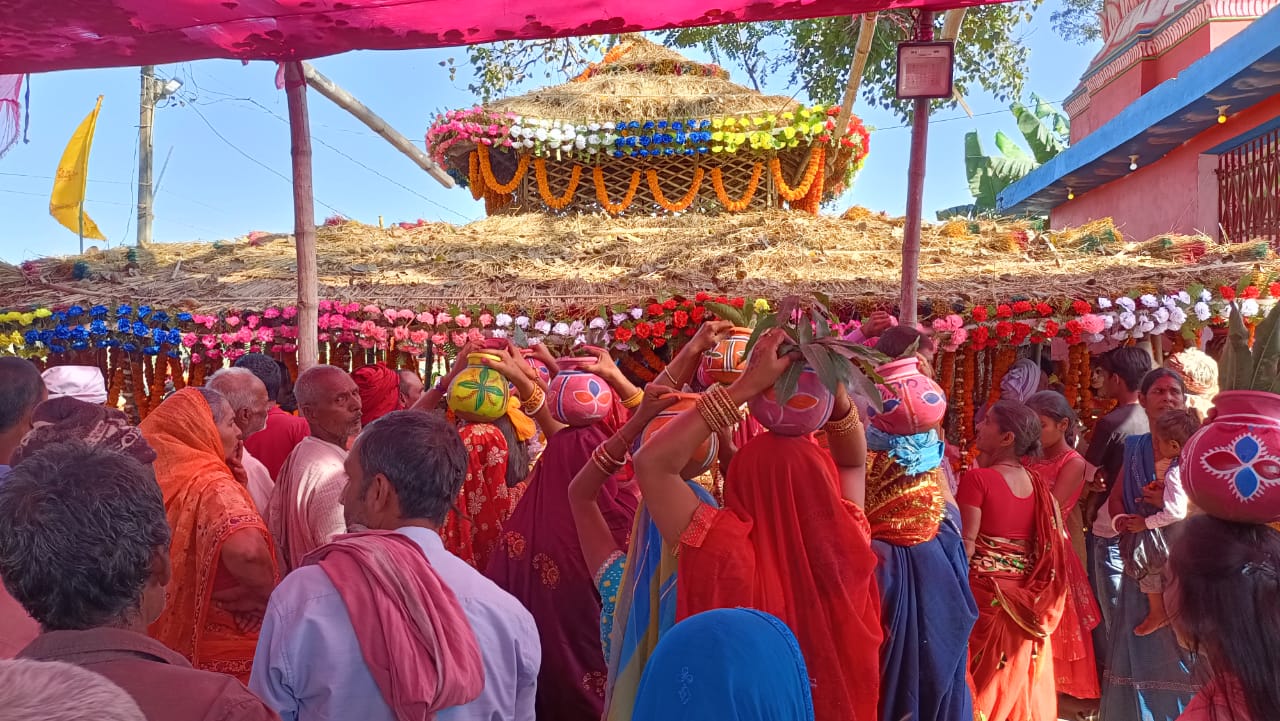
791, 540
1017, 569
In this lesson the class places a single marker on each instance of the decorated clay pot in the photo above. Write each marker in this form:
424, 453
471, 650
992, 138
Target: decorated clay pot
913, 402
1231, 466
576, 397
703, 457
807, 411
725, 362
479, 393
494, 343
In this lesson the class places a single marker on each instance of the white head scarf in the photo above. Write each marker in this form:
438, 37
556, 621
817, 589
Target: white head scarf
1022, 380
83, 383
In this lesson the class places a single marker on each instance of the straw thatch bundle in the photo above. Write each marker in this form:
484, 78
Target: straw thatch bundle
538, 261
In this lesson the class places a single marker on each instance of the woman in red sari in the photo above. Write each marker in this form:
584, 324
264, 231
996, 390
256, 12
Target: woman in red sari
791, 539
1017, 570
1062, 468
224, 563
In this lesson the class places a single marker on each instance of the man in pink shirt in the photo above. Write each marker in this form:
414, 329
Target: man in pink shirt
284, 431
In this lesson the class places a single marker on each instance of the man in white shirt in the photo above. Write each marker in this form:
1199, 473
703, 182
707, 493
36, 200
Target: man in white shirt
406, 470
306, 506
250, 403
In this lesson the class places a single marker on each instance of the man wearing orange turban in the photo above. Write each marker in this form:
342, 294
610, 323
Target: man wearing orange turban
379, 391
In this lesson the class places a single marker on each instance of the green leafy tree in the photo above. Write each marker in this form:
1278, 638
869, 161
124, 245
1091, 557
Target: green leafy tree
810, 56
1077, 20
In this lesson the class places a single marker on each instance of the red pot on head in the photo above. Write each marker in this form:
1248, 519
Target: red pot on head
725, 362
538, 366
806, 411
701, 460
1231, 466
495, 343
576, 397
913, 402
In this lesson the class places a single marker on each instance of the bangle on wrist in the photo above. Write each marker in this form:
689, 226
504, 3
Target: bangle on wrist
846, 426
634, 401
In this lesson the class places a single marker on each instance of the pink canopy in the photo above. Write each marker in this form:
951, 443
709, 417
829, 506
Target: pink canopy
41, 35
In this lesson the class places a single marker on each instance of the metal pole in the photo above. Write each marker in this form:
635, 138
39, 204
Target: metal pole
915, 191
146, 118
304, 215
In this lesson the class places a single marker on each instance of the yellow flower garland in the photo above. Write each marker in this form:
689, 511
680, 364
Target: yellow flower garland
602, 194
789, 194
731, 205
555, 202
487, 172
679, 205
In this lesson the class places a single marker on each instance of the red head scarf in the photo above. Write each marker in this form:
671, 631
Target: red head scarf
786, 543
379, 391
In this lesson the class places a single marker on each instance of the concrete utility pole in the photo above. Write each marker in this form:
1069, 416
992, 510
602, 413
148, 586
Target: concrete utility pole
146, 118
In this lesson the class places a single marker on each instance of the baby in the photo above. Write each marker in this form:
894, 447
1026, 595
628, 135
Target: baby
1168, 435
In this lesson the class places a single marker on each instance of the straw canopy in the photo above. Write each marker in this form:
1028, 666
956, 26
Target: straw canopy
541, 262
651, 133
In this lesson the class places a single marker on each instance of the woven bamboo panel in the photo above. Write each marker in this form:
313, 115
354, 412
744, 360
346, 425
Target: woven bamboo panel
675, 179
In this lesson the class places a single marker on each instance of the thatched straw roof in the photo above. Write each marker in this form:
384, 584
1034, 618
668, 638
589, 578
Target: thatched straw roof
640, 83
536, 261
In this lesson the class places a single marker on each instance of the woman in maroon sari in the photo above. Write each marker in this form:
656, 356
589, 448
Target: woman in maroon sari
539, 561
1017, 570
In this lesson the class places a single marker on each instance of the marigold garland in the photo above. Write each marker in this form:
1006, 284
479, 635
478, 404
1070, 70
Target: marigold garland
1071, 386
117, 379
553, 201
731, 205
969, 375
679, 205
157, 366
138, 386
175, 370
811, 202
602, 193
486, 172
475, 183
816, 161
1004, 359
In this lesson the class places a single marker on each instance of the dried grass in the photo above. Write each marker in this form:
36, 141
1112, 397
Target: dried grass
537, 261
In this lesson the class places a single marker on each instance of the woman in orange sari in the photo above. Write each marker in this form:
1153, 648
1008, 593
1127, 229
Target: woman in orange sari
1017, 570
223, 559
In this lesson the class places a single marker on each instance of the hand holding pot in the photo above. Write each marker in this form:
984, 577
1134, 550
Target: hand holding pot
605, 367
512, 367
542, 353
710, 334
765, 366
656, 400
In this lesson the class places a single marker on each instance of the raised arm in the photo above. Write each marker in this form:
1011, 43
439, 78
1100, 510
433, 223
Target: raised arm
658, 464
680, 370
593, 531
848, 443
606, 368
431, 398
525, 380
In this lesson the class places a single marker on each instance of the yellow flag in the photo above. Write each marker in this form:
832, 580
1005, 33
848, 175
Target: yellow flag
66, 203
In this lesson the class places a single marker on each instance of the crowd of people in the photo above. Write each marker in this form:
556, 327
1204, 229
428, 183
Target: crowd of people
378, 556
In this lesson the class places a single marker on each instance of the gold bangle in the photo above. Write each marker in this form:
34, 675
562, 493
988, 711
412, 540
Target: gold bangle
537, 399
717, 408
634, 401
604, 451
606, 463
604, 468
846, 426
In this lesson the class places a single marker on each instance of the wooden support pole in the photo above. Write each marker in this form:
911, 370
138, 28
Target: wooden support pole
915, 192
146, 120
347, 102
304, 215
861, 51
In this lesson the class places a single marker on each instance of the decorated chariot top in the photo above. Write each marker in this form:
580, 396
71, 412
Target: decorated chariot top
653, 132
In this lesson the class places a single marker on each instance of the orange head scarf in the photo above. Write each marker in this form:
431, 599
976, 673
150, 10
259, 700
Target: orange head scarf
379, 391
204, 503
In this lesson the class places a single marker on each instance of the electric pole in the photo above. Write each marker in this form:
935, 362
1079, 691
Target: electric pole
146, 117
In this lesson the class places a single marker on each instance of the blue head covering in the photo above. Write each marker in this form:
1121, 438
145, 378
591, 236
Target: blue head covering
730, 665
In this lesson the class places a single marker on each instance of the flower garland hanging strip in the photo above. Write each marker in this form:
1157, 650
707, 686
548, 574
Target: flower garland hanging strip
486, 171
553, 201
602, 193
787, 193
683, 204
731, 205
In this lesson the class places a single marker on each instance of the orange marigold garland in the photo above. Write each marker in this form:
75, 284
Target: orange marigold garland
1071, 386
475, 182
553, 201
969, 372
811, 202
175, 370
816, 160
731, 205
158, 369
679, 205
486, 172
1004, 359
602, 193
116, 378
138, 385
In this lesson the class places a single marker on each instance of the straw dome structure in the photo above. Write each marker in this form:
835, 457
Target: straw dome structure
647, 131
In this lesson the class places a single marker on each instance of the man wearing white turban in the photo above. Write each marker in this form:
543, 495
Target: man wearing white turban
83, 383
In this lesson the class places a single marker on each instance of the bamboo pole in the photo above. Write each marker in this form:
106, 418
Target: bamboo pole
915, 192
348, 102
304, 215
861, 51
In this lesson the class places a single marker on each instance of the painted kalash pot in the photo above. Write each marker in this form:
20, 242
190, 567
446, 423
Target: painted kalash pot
479, 393
702, 458
578, 398
807, 410
726, 362
913, 402
1231, 466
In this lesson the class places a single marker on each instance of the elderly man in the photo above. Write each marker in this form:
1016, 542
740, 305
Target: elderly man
51, 691
284, 431
250, 403
83, 383
411, 387
85, 548
306, 505
311, 665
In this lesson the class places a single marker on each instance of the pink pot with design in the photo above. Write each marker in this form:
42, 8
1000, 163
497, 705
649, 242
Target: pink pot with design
807, 411
576, 397
913, 402
1231, 466
701, 460
538, 366
725, 362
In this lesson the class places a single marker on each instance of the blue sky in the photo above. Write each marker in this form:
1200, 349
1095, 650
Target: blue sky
222, 161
